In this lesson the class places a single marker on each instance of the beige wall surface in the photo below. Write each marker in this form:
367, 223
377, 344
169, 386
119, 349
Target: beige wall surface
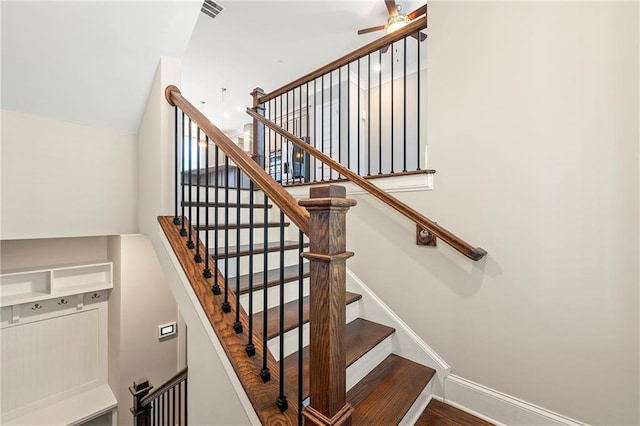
533, 131
17, 254
62, 179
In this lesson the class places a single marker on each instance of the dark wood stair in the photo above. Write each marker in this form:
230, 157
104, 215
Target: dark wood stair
258, 248
384, 396
362, 336
290, 315
273, 278
440, 414
212, 227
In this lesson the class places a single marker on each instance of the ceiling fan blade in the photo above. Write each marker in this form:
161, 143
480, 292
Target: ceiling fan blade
392, 7
418, 12
370, 30
422, 37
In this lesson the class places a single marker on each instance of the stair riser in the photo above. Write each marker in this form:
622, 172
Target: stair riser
273, 296
291, 337
291, 257
366, 363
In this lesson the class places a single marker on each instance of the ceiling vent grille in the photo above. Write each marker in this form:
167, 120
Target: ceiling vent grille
211, 8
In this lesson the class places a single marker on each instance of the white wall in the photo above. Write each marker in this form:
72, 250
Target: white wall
533, 131
61, 179
139, 302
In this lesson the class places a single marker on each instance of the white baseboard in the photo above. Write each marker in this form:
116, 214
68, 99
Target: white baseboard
499, 408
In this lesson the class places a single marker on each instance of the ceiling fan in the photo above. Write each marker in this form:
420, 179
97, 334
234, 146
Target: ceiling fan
397, 20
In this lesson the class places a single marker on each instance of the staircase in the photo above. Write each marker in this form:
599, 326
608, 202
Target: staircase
382, 386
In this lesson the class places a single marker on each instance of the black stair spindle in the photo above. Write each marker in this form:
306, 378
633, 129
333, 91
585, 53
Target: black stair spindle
207, 271
358, 118
216, 179
265, 373
250, 348
300, 322
176, 219
237, 325
322, 124
306, 157
315, 128
339, 118
391, 83
404, 108
369, 115
330, 121
380, 112
197, 257
281, 402
226, 306
349, 116
183, 231
190, 242
418, 104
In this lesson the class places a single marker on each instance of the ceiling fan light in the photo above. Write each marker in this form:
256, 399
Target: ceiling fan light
395, 23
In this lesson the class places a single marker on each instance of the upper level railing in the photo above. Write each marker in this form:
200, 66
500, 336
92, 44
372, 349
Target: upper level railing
364, 110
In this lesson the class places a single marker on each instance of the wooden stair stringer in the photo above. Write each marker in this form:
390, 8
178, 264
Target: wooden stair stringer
261, 395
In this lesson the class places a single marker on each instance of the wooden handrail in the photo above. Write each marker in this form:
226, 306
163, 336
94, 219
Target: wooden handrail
177, 378
474, 253
285, 201
413, 27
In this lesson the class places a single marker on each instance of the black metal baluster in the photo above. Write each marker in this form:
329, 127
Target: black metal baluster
226, 306
391, 82
183, 231
300, 322
418, 104
161, 398
216, 285
281, 402
237, 325
322, 124
197, 257
369, 115
250, 348
404, 108
315, 129
349, 115
340, 118
180, 403
207, 270
176, 219
186, 410
307, 158
173, 406
265, 374
358, 115
330, 121
380, 112
190, 242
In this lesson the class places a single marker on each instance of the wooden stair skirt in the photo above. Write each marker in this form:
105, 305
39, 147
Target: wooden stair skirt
386, 391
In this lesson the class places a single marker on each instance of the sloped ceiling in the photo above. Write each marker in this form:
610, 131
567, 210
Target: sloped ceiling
89, 62
92, 62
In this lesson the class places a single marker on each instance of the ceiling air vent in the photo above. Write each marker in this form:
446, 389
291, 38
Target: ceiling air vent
211, 8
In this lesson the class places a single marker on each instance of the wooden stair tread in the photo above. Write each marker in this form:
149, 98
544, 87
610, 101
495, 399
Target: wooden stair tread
384, 395
362, 336
440, 414
290, 315
212, 227
221, 204
273, 278
257, 248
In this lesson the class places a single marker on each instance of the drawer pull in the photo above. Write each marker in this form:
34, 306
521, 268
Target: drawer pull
36, 307
63, 302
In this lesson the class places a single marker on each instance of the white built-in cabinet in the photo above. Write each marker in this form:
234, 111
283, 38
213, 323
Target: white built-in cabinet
53, 327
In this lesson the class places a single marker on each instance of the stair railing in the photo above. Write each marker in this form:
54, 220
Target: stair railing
167, 405
276, 395
363, 110
423, 223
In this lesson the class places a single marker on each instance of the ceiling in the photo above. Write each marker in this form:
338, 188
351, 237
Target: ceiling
78, 61
267, 44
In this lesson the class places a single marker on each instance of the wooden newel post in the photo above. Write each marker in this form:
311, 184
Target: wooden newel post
141, 413
327, 207
257, 148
